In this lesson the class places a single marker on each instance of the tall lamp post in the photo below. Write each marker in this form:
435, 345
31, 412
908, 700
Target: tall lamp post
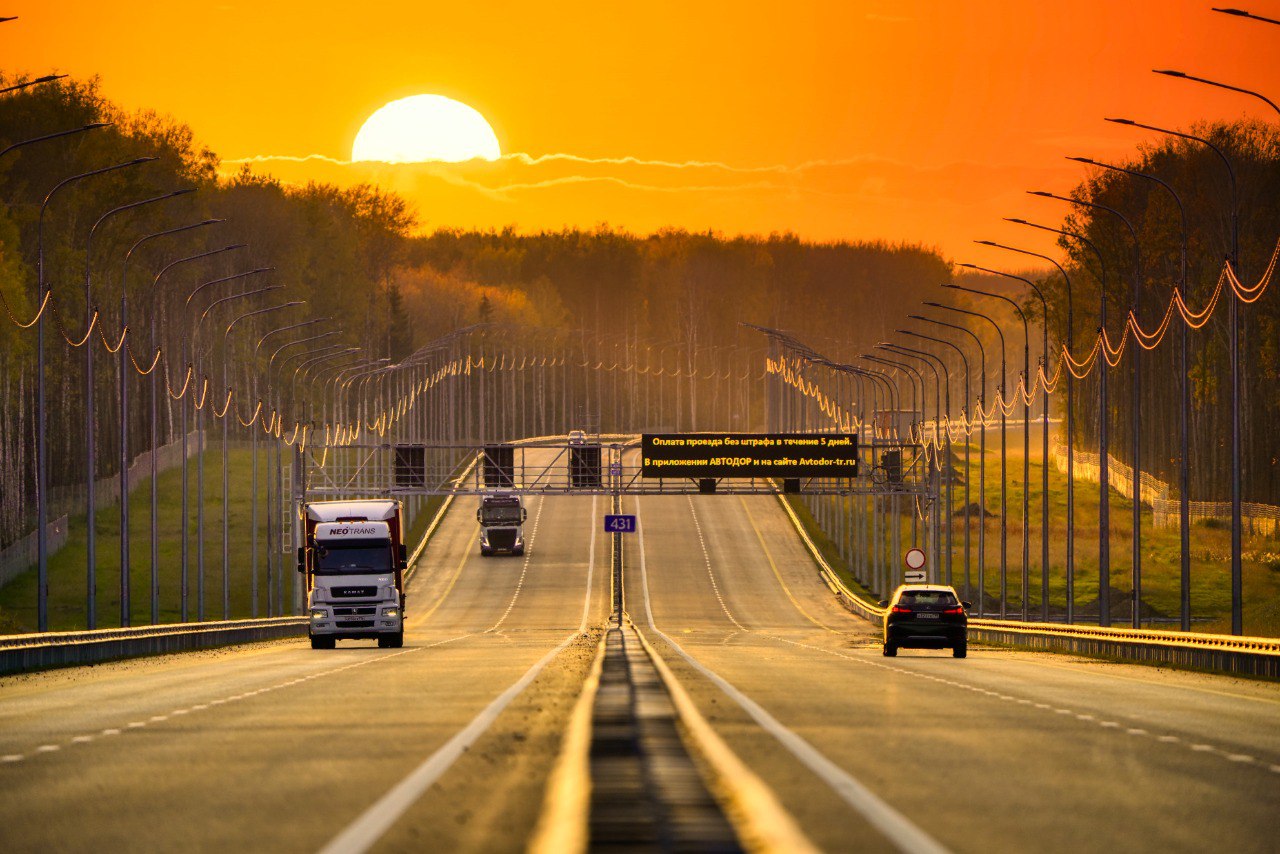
982, 449
1233, 318
1184, 385
42, 441
939, 445
1104, 474
90, 427
226, 545
123, 355
1135, 404
1004, 455
1026, 438
155, 443
1044, 487
1070, 430
226, 414
964, 360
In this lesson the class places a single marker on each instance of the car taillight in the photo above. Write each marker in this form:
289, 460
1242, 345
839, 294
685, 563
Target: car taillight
898, 609
955, 611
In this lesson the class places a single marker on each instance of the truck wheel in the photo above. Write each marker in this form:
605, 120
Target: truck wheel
391, 641
518, 552
484, 552
323, 643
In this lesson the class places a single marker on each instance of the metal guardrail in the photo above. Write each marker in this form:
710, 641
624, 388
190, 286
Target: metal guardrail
1245, 656
35, 651
62, 649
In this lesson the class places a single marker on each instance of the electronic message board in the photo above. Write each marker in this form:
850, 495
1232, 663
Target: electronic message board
716, 455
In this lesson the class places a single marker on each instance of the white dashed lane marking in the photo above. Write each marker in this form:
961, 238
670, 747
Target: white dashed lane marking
1208, 749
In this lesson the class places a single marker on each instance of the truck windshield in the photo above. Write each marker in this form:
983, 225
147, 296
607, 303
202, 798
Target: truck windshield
353, 557
500, 515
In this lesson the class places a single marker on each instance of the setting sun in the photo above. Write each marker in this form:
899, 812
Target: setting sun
425, 127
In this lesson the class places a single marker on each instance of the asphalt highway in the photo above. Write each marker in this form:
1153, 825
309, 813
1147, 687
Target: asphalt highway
447, 744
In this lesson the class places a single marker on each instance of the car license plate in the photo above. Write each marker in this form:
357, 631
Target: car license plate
926, 616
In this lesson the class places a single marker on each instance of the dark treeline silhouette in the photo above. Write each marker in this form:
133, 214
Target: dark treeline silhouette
667, 306
1201, 180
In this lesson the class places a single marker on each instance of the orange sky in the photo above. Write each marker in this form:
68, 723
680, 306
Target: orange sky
908, 120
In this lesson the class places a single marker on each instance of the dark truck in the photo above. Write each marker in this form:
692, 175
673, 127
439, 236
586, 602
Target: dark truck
501, 516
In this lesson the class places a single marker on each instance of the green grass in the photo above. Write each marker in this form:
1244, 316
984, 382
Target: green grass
68, 567
1210, 548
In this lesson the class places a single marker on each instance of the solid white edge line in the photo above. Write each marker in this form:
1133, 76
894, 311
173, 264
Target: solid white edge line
369, 827
898, 830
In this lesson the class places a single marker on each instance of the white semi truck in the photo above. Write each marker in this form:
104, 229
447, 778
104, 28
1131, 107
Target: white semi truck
353, 556
501, 516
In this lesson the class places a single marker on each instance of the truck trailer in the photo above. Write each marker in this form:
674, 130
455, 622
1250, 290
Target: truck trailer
353, 556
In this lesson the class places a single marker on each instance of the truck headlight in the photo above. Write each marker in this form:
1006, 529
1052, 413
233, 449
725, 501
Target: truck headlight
391, 612
318, 613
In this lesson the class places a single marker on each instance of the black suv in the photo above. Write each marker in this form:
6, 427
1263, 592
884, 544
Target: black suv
927, 616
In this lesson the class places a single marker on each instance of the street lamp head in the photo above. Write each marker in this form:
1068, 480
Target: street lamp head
1239, 13
1168, 72
1042, 193
1121, 121
946, 285
917, 316
1086, 160
212, 221
139, 160
48, 78
983, 243
969, 266
1015, 219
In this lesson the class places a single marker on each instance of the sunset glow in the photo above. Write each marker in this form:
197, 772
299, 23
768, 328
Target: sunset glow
424, 128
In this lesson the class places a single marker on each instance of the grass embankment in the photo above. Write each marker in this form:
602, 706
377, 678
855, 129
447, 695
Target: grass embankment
1161, 570
68, 567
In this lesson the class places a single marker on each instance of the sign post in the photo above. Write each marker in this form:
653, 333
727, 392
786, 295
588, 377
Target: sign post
914, 560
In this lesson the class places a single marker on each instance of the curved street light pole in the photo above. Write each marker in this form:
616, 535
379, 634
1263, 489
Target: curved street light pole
253, 489
123, 355
1104, 464
1001, 391
915, 376
928, 359
1135, 404
1070, 431
982, 451
966, 412
201, 442
1026, 439
1044, 446
21, 143
42, 441
90, 427
1233, 324
1184, 388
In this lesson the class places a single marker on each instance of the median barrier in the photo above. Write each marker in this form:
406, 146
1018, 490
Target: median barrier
65, 649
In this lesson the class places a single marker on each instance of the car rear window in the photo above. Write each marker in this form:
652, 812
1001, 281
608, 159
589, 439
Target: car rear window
928, 597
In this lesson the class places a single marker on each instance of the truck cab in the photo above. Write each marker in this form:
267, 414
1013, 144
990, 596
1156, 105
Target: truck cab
501, 516
354, 561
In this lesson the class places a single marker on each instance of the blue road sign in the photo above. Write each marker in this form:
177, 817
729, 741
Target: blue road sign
614, 524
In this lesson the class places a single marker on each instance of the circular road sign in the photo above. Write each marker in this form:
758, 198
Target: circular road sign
914, 559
